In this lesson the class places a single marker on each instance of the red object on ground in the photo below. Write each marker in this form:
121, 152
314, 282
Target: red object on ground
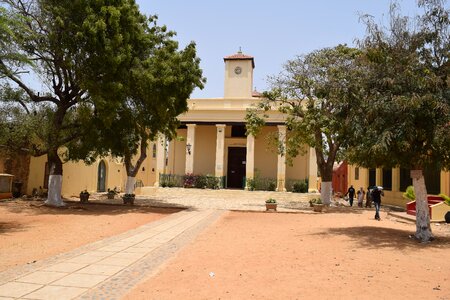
411, 206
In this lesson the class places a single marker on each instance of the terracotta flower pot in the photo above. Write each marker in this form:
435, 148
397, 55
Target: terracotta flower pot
128, 200
318, 207
84, 198
271, 206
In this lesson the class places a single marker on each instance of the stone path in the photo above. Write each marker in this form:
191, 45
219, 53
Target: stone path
109, 268
217, 199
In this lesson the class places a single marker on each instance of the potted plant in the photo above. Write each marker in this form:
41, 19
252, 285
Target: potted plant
128, 198
271, 204
111, 193
84, 196
318, 205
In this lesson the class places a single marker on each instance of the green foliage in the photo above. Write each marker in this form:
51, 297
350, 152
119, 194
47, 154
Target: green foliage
271, 200
317, 92
404, 118
300, 186
315, 201
409, 193
446, 198
258, 183
112, 191
171, 180
202, 181
114, 77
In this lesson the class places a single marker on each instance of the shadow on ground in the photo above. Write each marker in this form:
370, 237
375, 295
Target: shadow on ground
8, 227
34, 207
373, 237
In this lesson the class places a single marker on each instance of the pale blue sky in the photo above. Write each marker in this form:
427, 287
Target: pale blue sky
271, 31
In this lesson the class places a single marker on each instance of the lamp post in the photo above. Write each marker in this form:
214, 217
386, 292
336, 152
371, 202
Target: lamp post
188, 148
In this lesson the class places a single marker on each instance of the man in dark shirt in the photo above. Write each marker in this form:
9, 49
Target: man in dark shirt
376, 198
351, 194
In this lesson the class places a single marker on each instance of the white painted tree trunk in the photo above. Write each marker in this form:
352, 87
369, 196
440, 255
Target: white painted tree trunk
129, 187
54, 191
423, 229
325, 192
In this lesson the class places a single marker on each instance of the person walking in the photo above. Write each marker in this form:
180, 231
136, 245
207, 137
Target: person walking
351, 194
360, 195
376, 198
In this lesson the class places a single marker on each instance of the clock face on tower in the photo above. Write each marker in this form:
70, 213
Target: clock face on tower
238, 70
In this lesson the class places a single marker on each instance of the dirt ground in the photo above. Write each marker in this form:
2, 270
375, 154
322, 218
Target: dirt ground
341, 254
30, 231
336, 255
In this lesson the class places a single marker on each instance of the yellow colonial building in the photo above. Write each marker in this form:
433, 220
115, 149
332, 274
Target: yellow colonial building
211, 140
396, 180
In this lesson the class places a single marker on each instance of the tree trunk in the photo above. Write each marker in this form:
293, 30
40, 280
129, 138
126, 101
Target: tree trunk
325, 192
54, 180
423, 229
133, 170
129, 186
326, 188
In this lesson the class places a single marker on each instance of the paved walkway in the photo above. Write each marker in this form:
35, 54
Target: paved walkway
109, 268
217, 199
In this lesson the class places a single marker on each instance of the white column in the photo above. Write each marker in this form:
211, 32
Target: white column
190, 147
281, 169
312, 174
250, 159
220, 149
160, 157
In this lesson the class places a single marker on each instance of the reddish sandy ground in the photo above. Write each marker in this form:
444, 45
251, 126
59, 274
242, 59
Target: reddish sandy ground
30, 231
340, 255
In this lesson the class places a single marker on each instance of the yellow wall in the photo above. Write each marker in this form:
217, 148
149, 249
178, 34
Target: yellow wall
238, 85
266, 156
205, 149
78, 176
394, 197
37, 172
363, 180
177, 154
299, 168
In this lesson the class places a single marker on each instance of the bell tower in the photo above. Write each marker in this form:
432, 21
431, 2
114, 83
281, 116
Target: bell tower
238, 75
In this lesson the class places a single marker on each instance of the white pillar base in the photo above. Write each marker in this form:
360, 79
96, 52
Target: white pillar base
129, 187
54, 191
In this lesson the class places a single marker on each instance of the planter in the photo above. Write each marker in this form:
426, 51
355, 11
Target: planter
271, 206
128, 200
84, 198
318, 207
110, 196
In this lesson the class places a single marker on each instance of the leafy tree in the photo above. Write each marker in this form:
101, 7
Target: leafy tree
317, 93
159, 90
87, 55
404, 118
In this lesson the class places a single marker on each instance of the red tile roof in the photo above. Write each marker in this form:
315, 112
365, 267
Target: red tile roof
240, 56
257, 94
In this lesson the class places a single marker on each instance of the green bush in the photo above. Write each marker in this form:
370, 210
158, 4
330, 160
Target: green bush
200, 181
410, 194
212, 182
446, 198
271, 186
300, 187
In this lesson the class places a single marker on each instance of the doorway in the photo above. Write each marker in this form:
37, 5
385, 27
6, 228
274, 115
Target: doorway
236, 167
101, 178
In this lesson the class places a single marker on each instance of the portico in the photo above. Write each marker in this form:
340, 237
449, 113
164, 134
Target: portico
212, 139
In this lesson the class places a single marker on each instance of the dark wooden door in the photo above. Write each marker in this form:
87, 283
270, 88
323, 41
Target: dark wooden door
236, 167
